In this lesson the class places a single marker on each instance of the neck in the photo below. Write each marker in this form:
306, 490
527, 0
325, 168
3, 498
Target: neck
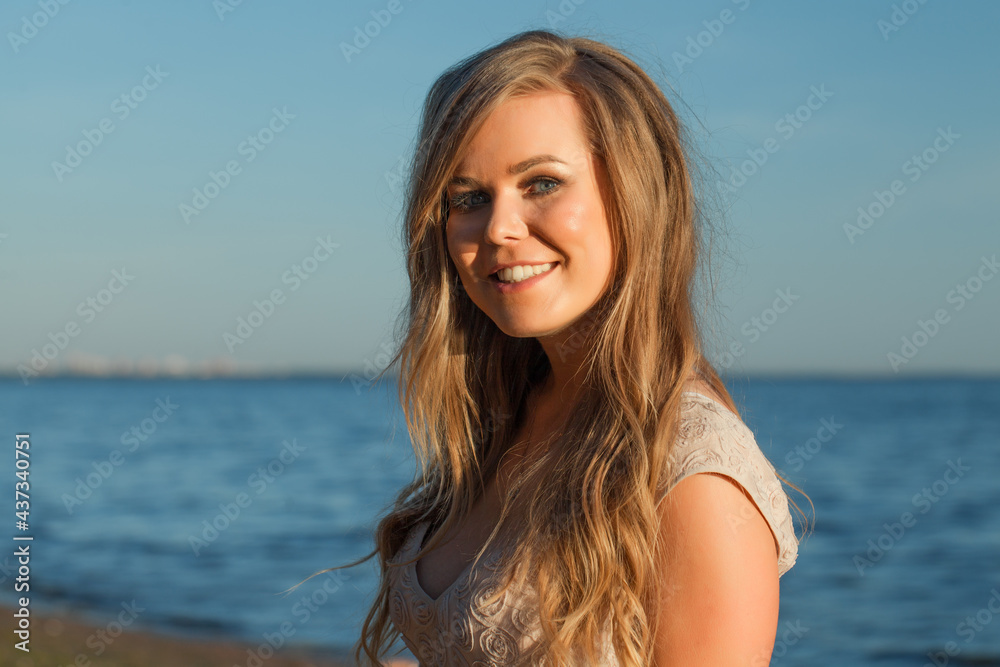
566, 351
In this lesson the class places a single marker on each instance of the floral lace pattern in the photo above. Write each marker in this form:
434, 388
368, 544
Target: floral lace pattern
458, 628
713, 439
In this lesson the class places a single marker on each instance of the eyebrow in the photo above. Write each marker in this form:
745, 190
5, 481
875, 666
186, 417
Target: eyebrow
513, 170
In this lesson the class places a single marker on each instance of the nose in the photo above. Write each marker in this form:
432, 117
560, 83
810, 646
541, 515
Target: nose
506, 220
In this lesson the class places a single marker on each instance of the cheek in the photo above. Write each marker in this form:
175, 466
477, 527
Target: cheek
449, 246
459, 236
453, 242
462, 252
579, 226
586, 238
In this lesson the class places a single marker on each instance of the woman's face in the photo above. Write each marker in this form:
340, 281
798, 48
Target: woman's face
528, 193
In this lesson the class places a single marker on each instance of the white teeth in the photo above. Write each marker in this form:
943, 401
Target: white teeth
519, 273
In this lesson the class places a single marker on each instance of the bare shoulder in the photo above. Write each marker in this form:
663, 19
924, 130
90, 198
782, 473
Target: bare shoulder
720, 598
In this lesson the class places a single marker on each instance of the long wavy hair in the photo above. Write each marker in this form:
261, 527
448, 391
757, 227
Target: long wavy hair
588, 539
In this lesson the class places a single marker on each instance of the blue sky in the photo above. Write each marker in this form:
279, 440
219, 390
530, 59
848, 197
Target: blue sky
874, 84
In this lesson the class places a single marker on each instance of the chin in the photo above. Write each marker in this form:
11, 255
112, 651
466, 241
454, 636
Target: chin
519, 331
523, 329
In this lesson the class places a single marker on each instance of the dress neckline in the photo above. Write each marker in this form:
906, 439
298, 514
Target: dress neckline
486, 558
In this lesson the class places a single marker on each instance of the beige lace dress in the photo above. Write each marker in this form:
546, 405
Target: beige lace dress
457, 629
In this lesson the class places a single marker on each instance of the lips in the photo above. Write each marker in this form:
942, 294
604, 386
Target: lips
523, 263
525, 283
521, 273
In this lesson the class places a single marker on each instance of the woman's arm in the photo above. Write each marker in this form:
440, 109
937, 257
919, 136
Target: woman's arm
720, 602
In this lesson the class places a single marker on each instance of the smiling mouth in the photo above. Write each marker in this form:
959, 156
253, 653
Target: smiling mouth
518, 274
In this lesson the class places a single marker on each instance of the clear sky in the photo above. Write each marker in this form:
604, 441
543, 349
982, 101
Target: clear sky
114, 113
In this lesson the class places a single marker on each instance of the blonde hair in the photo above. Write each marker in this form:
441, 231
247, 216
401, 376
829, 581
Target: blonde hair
590, 538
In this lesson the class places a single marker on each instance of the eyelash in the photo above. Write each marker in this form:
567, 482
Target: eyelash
457, 202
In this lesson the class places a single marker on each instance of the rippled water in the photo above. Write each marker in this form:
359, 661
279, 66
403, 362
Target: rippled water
309, 464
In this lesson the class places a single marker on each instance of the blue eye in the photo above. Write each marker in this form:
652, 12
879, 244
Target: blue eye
550, 181
462, 202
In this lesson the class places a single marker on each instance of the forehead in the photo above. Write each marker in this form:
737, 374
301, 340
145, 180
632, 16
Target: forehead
521, 127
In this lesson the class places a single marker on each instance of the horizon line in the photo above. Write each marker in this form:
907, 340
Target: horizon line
369, 378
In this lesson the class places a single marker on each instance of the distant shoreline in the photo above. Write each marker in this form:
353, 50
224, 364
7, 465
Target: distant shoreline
368, 376
6, 374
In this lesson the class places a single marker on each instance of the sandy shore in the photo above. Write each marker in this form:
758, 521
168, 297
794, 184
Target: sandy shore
62, 641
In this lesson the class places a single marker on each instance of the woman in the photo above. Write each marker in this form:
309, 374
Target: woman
555, 391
